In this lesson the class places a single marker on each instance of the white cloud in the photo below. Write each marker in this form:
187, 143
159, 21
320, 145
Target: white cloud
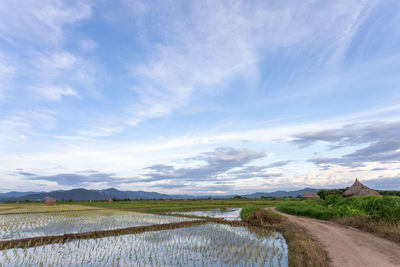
352, 17
55, 93
39, 22
7, 71
36, 32
208, 44
88, 45
54, 62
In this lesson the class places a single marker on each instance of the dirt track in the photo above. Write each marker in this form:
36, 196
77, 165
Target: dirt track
347, 246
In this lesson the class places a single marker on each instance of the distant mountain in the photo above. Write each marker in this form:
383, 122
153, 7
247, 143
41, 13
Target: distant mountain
15, 194
81, 194
280, 193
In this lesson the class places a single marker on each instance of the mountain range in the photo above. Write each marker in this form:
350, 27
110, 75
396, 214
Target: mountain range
81, 194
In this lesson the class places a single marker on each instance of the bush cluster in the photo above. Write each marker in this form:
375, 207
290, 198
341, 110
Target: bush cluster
334, 206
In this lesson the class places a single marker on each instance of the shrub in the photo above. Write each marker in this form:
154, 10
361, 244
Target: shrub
325, 193
247, 211
386, 208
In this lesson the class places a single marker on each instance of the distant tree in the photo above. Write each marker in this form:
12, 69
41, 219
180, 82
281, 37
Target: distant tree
389, 193
237, 197
323, 194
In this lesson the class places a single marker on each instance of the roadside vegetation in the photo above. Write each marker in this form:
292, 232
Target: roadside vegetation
304, 250
374, 214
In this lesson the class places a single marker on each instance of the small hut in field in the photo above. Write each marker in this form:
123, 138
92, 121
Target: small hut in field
359, 190
50, 201
110, 200
310, 195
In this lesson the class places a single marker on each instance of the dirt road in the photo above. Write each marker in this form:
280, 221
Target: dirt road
347, 246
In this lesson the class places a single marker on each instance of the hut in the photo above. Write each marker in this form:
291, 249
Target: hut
50, 201
110, 200
358, 189
310, 195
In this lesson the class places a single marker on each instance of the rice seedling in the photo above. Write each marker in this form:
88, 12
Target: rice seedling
40, 208
205, 245
226, 214
17, 226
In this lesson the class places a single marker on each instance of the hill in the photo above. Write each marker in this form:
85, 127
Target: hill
280, 193
81, 194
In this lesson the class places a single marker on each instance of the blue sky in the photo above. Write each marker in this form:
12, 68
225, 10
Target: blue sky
199, 97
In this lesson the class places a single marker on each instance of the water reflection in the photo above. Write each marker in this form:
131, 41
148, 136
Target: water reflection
228, 214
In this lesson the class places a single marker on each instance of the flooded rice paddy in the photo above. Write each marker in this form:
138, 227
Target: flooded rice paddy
228, 214
37, 208
205, 245
17, 226
208, 244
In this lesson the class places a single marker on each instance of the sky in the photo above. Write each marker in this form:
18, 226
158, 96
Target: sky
199, 97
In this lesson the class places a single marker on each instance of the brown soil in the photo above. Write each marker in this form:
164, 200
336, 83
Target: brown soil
347, 246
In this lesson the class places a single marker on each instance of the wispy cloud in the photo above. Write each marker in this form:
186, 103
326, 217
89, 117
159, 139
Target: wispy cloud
55, 93
205, 45
7, 71
217, 162
79, 179
120, 86
41, 65
381, 141
41, 22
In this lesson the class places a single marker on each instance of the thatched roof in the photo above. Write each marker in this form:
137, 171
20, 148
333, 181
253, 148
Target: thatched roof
310, 195
358, 189
50, 201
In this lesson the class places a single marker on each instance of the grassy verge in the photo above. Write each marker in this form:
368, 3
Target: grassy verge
157, 206
309, 208
303, 249
375, 226
373, 214
248, 210
386, 208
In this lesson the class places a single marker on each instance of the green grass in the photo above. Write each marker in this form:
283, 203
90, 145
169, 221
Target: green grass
386, 208
248, 210
373, 225
309, 208
155, 206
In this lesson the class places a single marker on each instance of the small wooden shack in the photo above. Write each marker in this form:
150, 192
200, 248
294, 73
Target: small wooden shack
358, 189
310, 195
50, 201
110, 200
